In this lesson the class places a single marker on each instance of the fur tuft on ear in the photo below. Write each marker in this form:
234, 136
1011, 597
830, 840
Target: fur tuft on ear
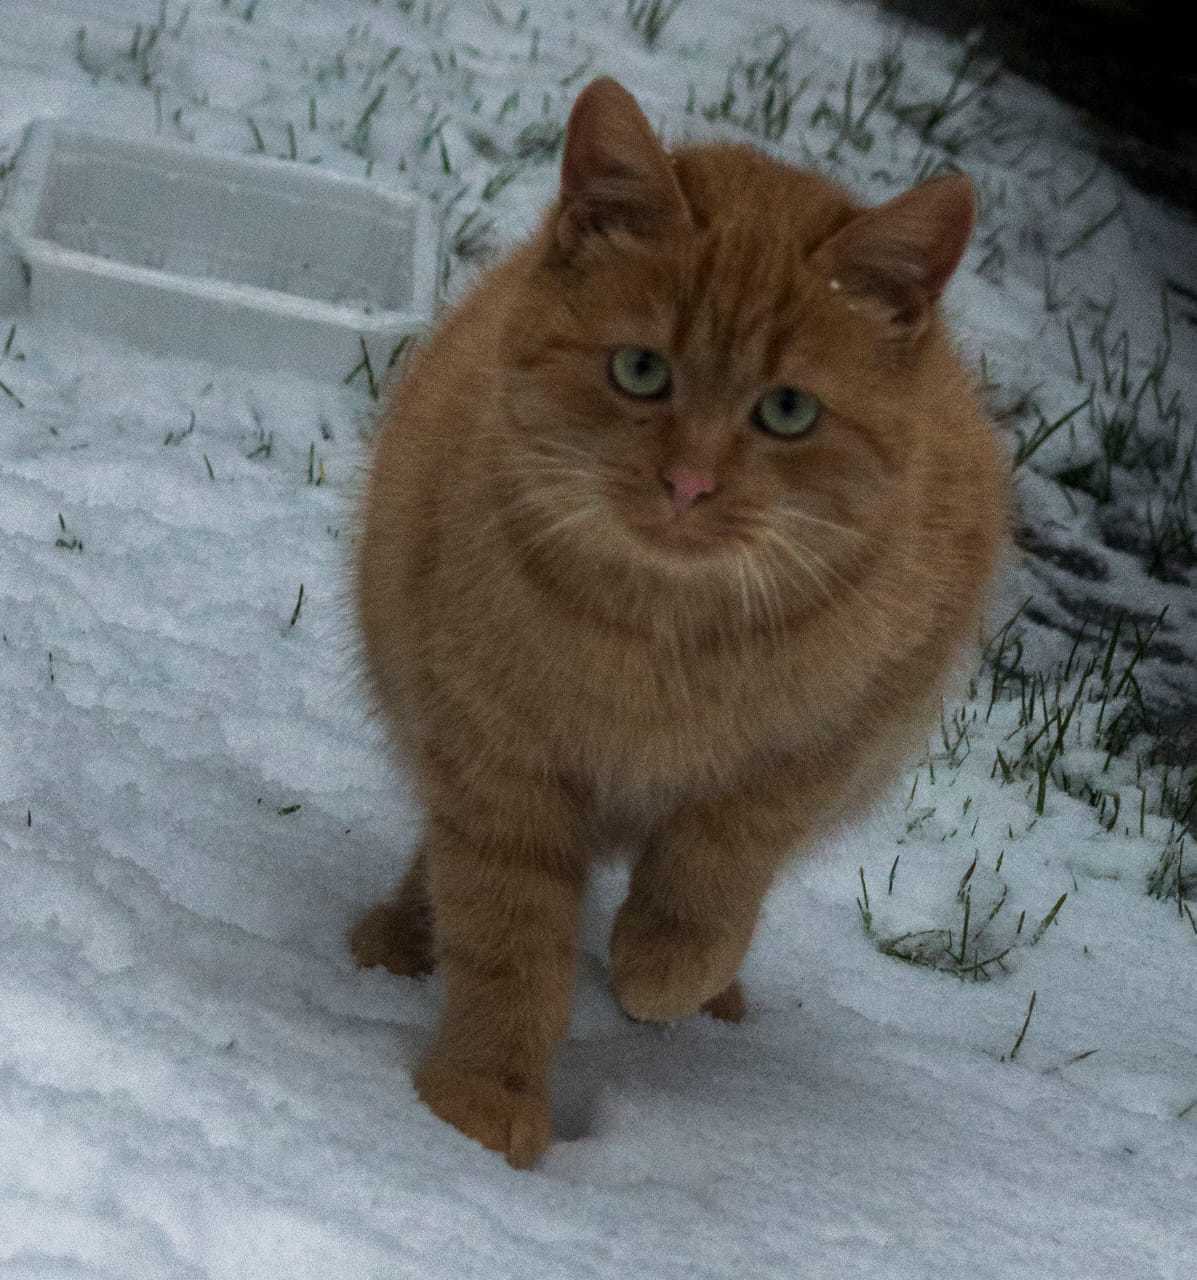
614, 172
895, 260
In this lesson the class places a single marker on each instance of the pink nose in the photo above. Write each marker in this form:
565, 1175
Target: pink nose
686, 485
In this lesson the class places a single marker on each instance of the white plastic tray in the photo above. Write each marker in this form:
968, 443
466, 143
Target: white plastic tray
212, 256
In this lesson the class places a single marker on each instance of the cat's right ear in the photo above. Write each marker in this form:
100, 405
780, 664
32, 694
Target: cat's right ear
614, 172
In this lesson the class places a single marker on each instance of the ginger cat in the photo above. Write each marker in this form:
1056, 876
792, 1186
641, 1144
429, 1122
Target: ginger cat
673, 529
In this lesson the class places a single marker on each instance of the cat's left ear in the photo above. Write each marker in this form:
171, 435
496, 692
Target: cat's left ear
614, 172
895, 260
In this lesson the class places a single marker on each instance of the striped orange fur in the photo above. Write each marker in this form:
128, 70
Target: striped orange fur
589, 614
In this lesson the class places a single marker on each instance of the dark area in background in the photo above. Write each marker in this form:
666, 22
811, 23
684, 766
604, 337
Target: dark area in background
1126, 64
1132, 72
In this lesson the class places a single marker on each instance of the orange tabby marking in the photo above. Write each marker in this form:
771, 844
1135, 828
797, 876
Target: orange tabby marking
673, 527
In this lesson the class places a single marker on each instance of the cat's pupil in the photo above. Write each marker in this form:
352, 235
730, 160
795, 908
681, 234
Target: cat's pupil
640, 371
787, 401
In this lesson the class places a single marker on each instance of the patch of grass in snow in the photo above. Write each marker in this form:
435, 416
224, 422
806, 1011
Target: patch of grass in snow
1026, 1022
10, 352
315, 473
1048, 707
473, 240
1172, 880
1077, 732
259, 141
363, 366
514, 24
243, 9
66, 540
263, 444
5, 389
1124, 452
929, 129
850, 121
1029, 444
649, 18
977, 946
177, 437
539, 140
359, 140
1081, 727
759, 94
969, 81
137, 62
140, 58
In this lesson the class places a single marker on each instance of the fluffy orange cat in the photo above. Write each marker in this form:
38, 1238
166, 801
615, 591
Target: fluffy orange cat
672, 530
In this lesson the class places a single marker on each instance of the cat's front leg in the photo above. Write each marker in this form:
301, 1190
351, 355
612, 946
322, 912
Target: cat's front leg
695, 896
506, 875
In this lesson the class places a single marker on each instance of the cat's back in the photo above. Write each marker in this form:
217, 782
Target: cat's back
437, 403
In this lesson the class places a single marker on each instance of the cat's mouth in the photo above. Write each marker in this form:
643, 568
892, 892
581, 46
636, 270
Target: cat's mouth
702, 532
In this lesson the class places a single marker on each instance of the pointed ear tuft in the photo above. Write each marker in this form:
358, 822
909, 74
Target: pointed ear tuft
896, 259
614, 172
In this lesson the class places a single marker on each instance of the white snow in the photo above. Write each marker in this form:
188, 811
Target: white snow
194, 1079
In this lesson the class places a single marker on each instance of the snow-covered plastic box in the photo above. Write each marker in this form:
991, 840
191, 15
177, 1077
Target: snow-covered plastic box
235, 259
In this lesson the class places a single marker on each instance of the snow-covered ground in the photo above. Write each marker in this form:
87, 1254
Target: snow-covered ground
196, 1082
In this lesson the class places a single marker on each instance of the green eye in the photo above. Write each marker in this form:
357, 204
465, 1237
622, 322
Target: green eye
786, 411
640, 372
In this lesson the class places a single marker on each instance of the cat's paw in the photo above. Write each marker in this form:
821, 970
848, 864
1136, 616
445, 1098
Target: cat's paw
729, 1005
508, 1115
661, 972
393, 936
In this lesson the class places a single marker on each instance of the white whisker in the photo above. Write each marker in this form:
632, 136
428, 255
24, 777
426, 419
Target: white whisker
552, 532
757, 584
793, 513
794, 554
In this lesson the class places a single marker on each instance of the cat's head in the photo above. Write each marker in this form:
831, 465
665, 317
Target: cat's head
718, 365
